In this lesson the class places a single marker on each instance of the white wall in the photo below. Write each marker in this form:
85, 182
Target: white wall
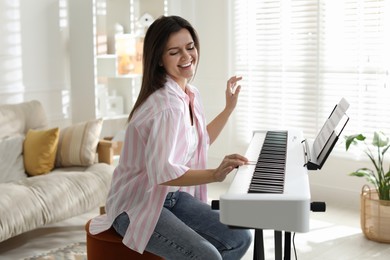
34, 56
81, 49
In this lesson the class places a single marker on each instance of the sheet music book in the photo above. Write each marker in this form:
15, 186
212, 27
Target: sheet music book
319, 150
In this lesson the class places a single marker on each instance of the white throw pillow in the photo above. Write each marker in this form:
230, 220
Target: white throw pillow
77, 144
11, 159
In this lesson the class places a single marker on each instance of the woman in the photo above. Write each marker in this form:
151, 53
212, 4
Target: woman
157, 201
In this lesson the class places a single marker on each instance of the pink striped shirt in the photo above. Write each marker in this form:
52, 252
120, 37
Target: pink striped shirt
154, 151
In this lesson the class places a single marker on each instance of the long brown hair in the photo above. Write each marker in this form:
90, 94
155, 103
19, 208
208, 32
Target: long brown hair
156, 38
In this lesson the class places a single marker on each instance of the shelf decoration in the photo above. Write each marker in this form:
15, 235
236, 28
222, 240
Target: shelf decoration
129, 49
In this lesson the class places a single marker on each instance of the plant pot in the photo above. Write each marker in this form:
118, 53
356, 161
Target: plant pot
374, 216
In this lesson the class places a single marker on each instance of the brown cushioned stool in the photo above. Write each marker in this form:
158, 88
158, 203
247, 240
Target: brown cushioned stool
108, 245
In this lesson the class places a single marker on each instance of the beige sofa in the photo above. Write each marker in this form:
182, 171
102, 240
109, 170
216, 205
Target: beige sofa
48, 175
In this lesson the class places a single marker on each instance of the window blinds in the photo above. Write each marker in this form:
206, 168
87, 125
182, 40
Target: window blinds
298, 58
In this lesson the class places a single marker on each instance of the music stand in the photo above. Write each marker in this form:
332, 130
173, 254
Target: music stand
318, 151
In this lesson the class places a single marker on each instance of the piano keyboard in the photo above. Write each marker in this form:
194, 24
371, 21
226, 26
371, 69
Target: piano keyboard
268, 176
287, 209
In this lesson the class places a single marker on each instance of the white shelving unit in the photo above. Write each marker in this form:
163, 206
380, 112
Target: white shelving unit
94, 78
122, 89
116, 94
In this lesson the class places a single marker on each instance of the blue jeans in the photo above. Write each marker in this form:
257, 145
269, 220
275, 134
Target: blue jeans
190, 229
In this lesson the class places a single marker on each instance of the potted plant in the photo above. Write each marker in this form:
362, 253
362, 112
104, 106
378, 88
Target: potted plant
375, 203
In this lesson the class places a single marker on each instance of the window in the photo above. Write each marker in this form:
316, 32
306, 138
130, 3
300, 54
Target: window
300, 57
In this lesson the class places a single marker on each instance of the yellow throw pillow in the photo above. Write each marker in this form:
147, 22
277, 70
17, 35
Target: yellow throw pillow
39, 150
78, 143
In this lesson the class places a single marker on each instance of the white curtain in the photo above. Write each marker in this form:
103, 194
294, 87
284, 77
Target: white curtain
300, 57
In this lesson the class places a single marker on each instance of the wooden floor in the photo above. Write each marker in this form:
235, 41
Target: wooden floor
334, 235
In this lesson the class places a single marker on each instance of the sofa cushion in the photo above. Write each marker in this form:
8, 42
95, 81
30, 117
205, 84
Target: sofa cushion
19, 118
44, 199
11, 159
77, 144
20, 209
39, 151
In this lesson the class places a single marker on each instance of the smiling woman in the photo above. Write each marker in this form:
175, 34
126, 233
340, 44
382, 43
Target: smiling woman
159, 191
180, 57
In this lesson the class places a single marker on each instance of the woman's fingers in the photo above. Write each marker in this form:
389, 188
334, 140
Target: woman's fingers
237, 157
228, 164
232, 84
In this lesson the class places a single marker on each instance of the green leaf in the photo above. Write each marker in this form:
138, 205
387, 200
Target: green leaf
385, 150
380, 139
387, 179
357, 174
362, 172
352, 139
368, 173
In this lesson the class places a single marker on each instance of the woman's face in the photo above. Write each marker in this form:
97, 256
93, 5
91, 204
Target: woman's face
180, 57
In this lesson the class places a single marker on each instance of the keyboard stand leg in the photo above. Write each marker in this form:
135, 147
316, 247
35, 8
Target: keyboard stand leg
258, 250
287, 245
278, 244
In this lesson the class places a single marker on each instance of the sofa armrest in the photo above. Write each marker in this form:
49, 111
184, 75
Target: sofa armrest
105, 151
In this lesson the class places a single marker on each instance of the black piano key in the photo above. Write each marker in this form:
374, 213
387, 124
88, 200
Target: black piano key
268, 176
272, 157
269, 165
276, 157
268, 182
271, 176
254, 188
